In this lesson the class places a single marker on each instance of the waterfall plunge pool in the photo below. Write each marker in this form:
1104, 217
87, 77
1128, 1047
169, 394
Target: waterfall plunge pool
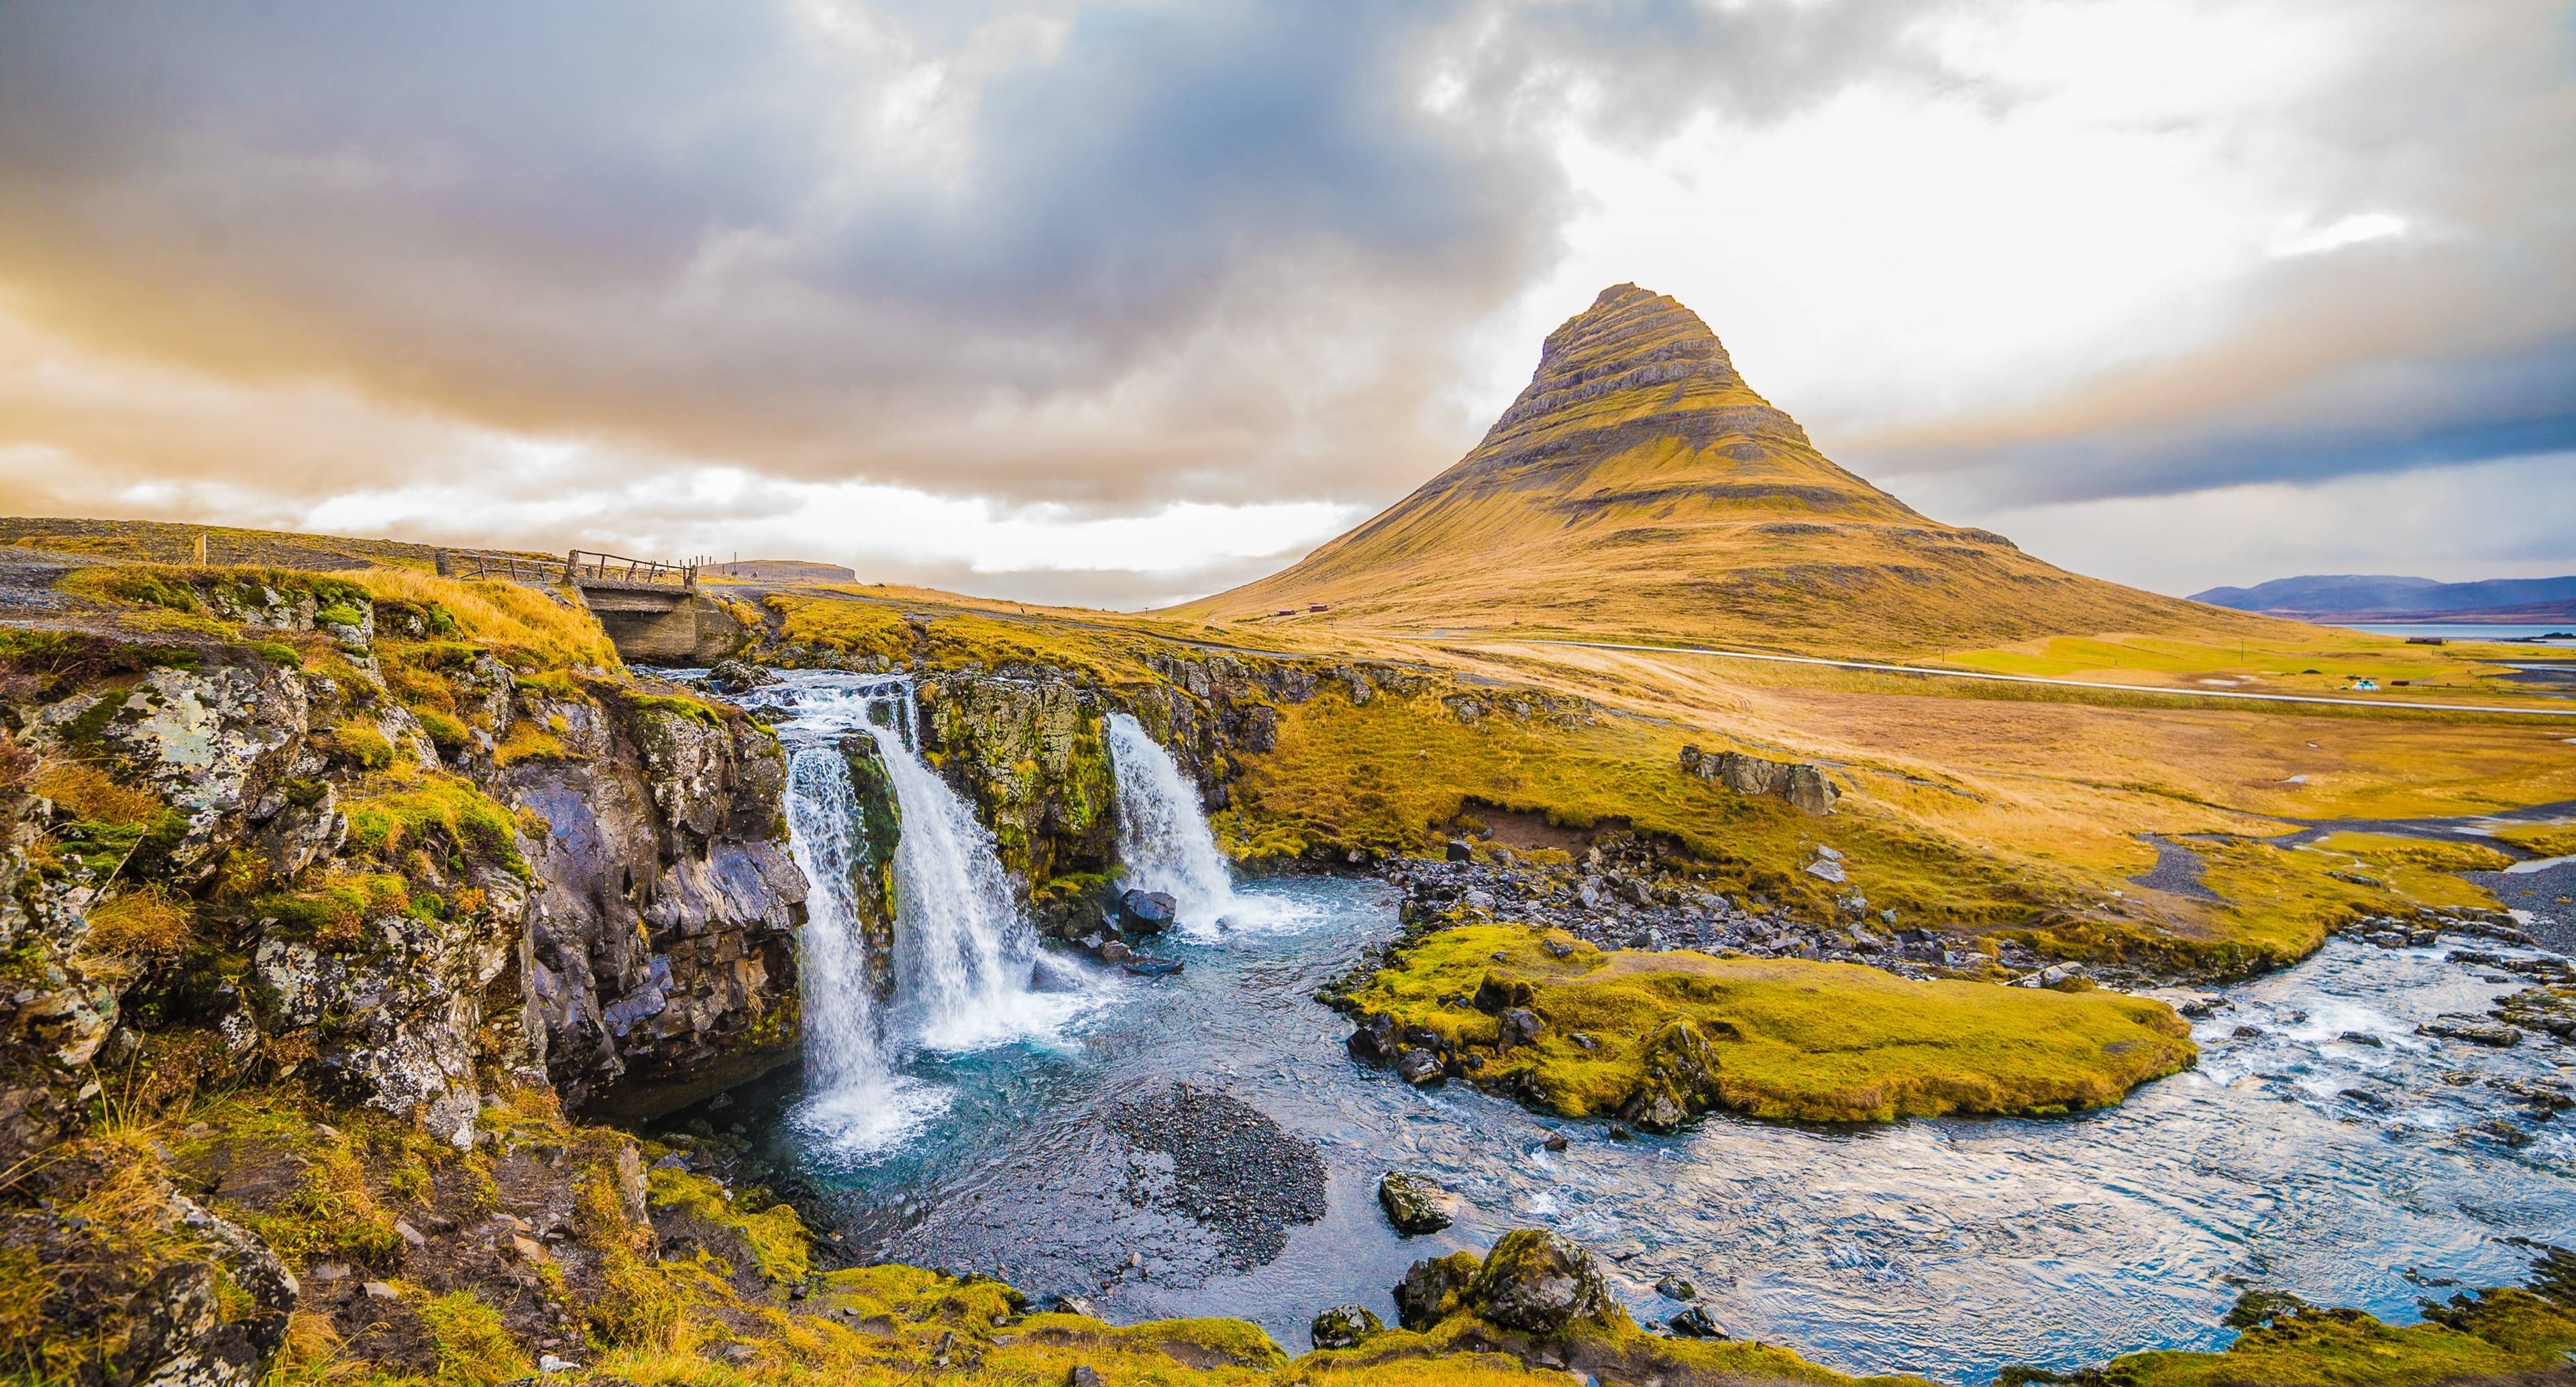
1055, 1157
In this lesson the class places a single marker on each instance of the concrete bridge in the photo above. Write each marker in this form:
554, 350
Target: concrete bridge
652, 611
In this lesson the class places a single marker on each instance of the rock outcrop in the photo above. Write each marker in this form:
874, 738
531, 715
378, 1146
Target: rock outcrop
1801, 783
662, 951
1029, 754
372, 858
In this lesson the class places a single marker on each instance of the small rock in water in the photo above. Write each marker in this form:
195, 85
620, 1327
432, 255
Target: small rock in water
2248, 1032
1344, 1326
1420, 1068
2361, 1038
1147, 966
1694, 1323
733, 677
1414, 1204
1676, 1288
1556, 1141
2475, 1030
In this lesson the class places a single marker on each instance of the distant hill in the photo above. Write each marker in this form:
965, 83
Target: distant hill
2358, 597
784, 570
1640, 488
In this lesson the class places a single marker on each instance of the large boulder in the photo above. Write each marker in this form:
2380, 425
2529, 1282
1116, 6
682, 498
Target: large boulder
1032, 757
1432, 1288
663, 949
1679, 1079
1145, 912
1539, 1281
1802, 783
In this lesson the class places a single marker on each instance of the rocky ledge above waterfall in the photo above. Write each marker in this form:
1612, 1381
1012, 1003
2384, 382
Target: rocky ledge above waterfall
331, 836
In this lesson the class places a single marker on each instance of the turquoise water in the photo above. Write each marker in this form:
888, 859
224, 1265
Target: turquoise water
2294, 1160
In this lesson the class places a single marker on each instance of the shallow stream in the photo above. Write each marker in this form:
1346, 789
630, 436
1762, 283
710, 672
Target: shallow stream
1946, 1247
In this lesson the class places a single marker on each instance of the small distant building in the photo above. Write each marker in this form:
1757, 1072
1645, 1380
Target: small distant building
1318, 607
2425, 640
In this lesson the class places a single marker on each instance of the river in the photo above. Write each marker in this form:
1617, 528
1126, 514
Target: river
2299, 1156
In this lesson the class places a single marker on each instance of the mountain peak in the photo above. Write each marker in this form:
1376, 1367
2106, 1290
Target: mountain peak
1640, 488
1629, 338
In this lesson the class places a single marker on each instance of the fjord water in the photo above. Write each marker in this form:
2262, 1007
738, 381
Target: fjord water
2299, 1157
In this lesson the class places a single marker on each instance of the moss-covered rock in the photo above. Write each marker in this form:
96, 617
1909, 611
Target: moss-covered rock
1658, 1037
1030, 755
1541, 1282
1537, 1301
2503, 1337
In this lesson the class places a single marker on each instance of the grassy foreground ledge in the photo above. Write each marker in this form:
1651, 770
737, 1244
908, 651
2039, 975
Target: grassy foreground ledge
1656, 1037
2499, 1337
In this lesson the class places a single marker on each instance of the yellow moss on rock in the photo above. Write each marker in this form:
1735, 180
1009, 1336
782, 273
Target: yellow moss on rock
1773, 1038
2496, 1336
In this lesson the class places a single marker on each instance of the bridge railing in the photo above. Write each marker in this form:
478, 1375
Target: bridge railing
581, 564
471, 565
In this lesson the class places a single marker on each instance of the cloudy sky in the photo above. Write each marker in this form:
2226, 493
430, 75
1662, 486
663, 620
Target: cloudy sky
1122, 302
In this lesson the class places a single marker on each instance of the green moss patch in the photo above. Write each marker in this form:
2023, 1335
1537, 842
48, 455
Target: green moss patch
2492, 1336
1773, 1038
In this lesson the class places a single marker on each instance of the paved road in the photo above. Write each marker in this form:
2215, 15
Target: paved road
2064, 683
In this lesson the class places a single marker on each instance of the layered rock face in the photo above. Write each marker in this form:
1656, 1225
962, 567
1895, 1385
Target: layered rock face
379, 861
662, 949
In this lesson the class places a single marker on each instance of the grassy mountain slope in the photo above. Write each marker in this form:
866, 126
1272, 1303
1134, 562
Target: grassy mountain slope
1639, 488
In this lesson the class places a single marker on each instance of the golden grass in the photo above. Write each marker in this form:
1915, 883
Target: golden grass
1828, 1042
511, 619
2547, 840
780, 1248
142, 926
2440, 854
90, 793
2280, 901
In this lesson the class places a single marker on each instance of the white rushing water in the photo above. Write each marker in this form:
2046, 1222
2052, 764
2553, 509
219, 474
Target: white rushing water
1163, 836
963, 953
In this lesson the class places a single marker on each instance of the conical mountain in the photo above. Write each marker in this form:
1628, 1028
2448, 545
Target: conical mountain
1639, 488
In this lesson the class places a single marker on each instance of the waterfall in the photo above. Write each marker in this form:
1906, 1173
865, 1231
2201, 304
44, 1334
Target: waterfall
1163, 836
963, 950
963, 954
842, 1048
